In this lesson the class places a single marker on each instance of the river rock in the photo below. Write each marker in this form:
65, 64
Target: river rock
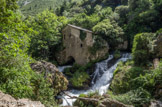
156, 103
99, 101
156, 63
52, 74
8, 101
112, 103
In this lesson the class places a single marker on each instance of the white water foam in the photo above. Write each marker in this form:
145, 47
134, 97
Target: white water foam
102, 83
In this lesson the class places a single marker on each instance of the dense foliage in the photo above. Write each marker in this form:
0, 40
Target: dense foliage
143, 48
135, 85
24, 39
110, 31
47, 39
33, 7
17, 77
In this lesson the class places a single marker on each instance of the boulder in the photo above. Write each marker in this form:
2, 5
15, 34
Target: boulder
156, 63
8, 101
156, 104
52, 74
99, 101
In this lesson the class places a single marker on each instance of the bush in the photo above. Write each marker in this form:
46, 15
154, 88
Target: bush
47, 40
136, 97
98, 45
43, 91
136, 85
16, 75
79, 78
117, 54
143, 48
123, 77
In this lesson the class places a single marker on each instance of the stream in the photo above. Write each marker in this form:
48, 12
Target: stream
101, 80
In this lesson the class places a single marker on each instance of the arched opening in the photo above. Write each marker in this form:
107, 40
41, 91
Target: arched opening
71, 60
81, 45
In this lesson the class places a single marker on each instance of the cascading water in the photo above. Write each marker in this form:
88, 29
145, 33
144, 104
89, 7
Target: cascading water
101, 79
61, 68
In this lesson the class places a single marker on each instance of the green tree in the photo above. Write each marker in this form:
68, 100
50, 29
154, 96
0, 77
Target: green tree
17, 77
46, 41
139, 5
123, 12
85, 21
143, 48
110, 31
15, 70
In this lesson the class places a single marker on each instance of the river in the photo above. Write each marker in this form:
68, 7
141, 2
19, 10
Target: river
101, 80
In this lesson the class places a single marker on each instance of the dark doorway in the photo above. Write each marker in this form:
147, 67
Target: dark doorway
81, 45
71, 60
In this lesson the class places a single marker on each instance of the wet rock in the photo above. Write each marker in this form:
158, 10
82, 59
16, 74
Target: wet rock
52, 74
112, 103
156, 62
99, 101
156, 104
8, 101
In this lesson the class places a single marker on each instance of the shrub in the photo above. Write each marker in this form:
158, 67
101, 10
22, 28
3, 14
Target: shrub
43, 91
117, 54
79, 78
83, 35
134, 97
136, 85
142, 48
122, 80
98, 45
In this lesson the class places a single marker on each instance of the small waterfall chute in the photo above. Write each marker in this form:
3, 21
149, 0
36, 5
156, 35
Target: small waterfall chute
102, 77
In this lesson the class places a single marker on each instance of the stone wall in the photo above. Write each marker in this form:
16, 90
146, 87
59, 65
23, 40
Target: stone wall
77, 48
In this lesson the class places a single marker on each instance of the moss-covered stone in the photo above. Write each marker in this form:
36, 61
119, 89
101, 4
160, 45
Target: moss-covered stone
52, 74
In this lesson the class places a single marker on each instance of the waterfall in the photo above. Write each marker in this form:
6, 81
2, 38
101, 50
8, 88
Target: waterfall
61, 68
101, 79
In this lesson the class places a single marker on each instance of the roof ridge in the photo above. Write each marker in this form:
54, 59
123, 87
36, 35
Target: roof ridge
79, 28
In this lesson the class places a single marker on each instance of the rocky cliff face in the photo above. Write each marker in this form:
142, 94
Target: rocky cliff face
8, 101
52, 74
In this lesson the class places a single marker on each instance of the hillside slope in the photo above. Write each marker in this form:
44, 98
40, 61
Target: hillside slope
32, 7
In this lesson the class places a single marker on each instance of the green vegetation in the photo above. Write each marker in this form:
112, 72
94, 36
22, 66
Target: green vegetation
25, 39
117, 54
47, 40
81, 103
133, 97
33, 7
83, 35
135, 85
143, 48
110, 31
17, 77
78, 75
79, 78
98, 45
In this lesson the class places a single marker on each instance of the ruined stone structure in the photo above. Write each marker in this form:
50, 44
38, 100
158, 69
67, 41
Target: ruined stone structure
76, 42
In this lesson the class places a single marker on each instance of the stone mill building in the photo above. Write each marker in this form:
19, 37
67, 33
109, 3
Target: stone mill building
76, 43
